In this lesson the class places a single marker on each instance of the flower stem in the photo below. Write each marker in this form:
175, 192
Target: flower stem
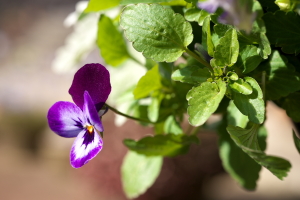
135, 60
128, 116
199, 59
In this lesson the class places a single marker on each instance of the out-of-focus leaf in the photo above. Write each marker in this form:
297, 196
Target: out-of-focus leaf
206, 37
195, 14
111, 43
296, 141
172, 126
292, 106
139, 173
148, 83
98, 5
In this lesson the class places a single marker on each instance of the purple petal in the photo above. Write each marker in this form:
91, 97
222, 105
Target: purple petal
66, 119
93, 78
90, 112
85, 147
210, 6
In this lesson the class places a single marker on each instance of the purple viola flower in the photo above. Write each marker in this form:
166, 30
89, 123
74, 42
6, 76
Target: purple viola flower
82, 120
236, 12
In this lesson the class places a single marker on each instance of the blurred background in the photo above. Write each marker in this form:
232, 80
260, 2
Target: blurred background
34, 162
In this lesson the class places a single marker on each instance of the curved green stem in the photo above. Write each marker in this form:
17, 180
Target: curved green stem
135, 60
199, 59
128, 116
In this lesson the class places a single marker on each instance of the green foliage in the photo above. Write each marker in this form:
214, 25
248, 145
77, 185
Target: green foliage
248, 58
204, 100
99, 5
206, 37
283, 30
126, 2
112, 45
292, 106
227, 50
240, 86
281, 78
172, 126
253, 104
296, 141
139, 172
148, 83
162, 145
194, 14
191, 74
156, 31
247, 141
235, 161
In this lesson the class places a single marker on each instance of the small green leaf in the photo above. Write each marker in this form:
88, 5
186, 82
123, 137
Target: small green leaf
247, 141
281, 78
283, 30
232, 76
235, 117
172, 126
240, 86
148, 83
191, 74
98, 5
194, 14
162, 145
251, 105
204, 100
111, 43
292, 106
206, 37
296, 141
248, 58
139, 172
221, 29
156, 31
228, 49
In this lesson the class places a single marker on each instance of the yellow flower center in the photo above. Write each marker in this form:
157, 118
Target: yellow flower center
90, 128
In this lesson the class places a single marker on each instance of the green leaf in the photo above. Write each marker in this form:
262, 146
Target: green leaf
194, 14
235, 117
191, 74
228, 49
245, 137
248, 58
126, 2
162, 145
156, 31
251, 105
172, 126
292, 106
139, 172
233, 76
153, 108
258, 33
235, 161
278, 166
204, 100
296, 141
283, 30
111, 43
240, 86
206, 37
99, 5
281, 78
148, 83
